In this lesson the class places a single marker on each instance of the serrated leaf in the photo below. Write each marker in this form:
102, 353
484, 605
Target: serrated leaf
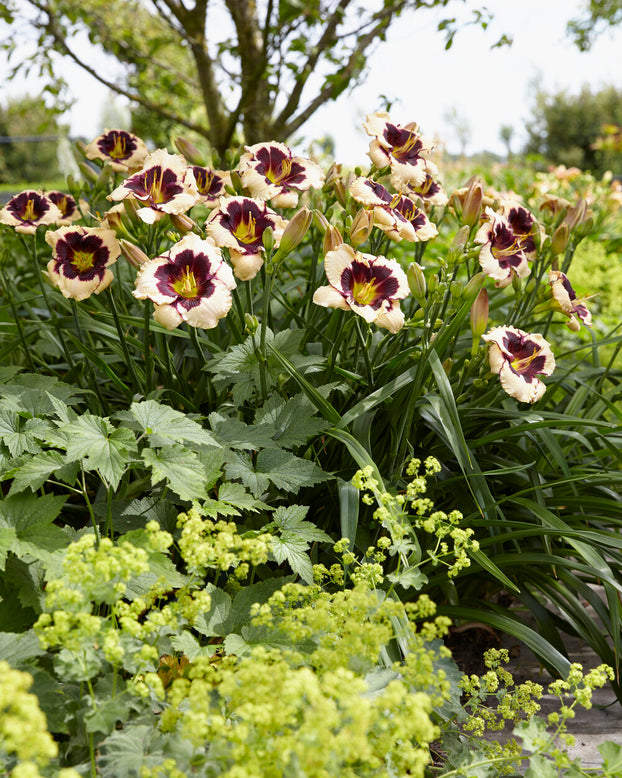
612, 757
180, 466
292, 423
36, 471
31, 393
276, 466
533, 733
240, 612
26, 526
411, 578
107, 714
291, 518
213, 622
237, 495
237, 435
541, 767
99, 446
187, 644
14, 433
165, 424
125, 752
289, 546
16, 648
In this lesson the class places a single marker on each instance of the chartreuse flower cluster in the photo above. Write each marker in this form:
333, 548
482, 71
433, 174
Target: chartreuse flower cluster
307, 704
26, 747
408, 518
492, 702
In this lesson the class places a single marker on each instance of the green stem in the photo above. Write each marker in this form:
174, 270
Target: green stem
91, 371
18, 323
147, 348
364, 347
51, 310
126, 354
263, 357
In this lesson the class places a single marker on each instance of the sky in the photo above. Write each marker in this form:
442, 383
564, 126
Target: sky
486, 87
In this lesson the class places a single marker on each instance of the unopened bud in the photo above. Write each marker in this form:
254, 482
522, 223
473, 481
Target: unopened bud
447, 365
473, 286
81, 146
472, 204
135, 256
236, 182
461, 237
340, 192
268, 239
361, 227
559, 241
104, 176
332, 239
294, 232
479, 315
576, 214
189, 151
455, 288
251, 323
89, 173
416, 282
183, 223
131, 208
432, 282
320, 221
333, 174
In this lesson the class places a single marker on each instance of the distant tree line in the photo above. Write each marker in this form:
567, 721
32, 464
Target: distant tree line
23, 159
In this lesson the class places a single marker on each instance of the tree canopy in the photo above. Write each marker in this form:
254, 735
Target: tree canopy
229, 70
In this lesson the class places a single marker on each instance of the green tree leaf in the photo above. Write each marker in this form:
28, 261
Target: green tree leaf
291, 547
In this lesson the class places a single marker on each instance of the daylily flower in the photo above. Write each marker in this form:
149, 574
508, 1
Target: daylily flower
190, 282
396, 215
270, 171
523, 226
67, 205
518, 358
400, 147
27, 210
370, 286
82, 256
164, 185
123, 151
568, 301
211, 184
502, 254
429, 190
238, 224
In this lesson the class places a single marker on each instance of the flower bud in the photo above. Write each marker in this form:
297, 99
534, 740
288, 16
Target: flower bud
135, 256
268, 239
131, 208
340, 192
236, 182
559, 241
479, 314
332, 239
416, 282
104, 176
294, 232
447, 365
81, 146
361, 227
473, 286
320, 221
576, 214
461, 237
333, 174
88, 172
189, 151
183, 223
455, 288
472, 203
251, 323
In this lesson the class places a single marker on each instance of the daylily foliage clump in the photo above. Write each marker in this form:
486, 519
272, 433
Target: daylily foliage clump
268, 426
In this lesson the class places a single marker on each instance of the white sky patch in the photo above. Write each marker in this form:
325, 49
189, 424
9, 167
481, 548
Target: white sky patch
488, 88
